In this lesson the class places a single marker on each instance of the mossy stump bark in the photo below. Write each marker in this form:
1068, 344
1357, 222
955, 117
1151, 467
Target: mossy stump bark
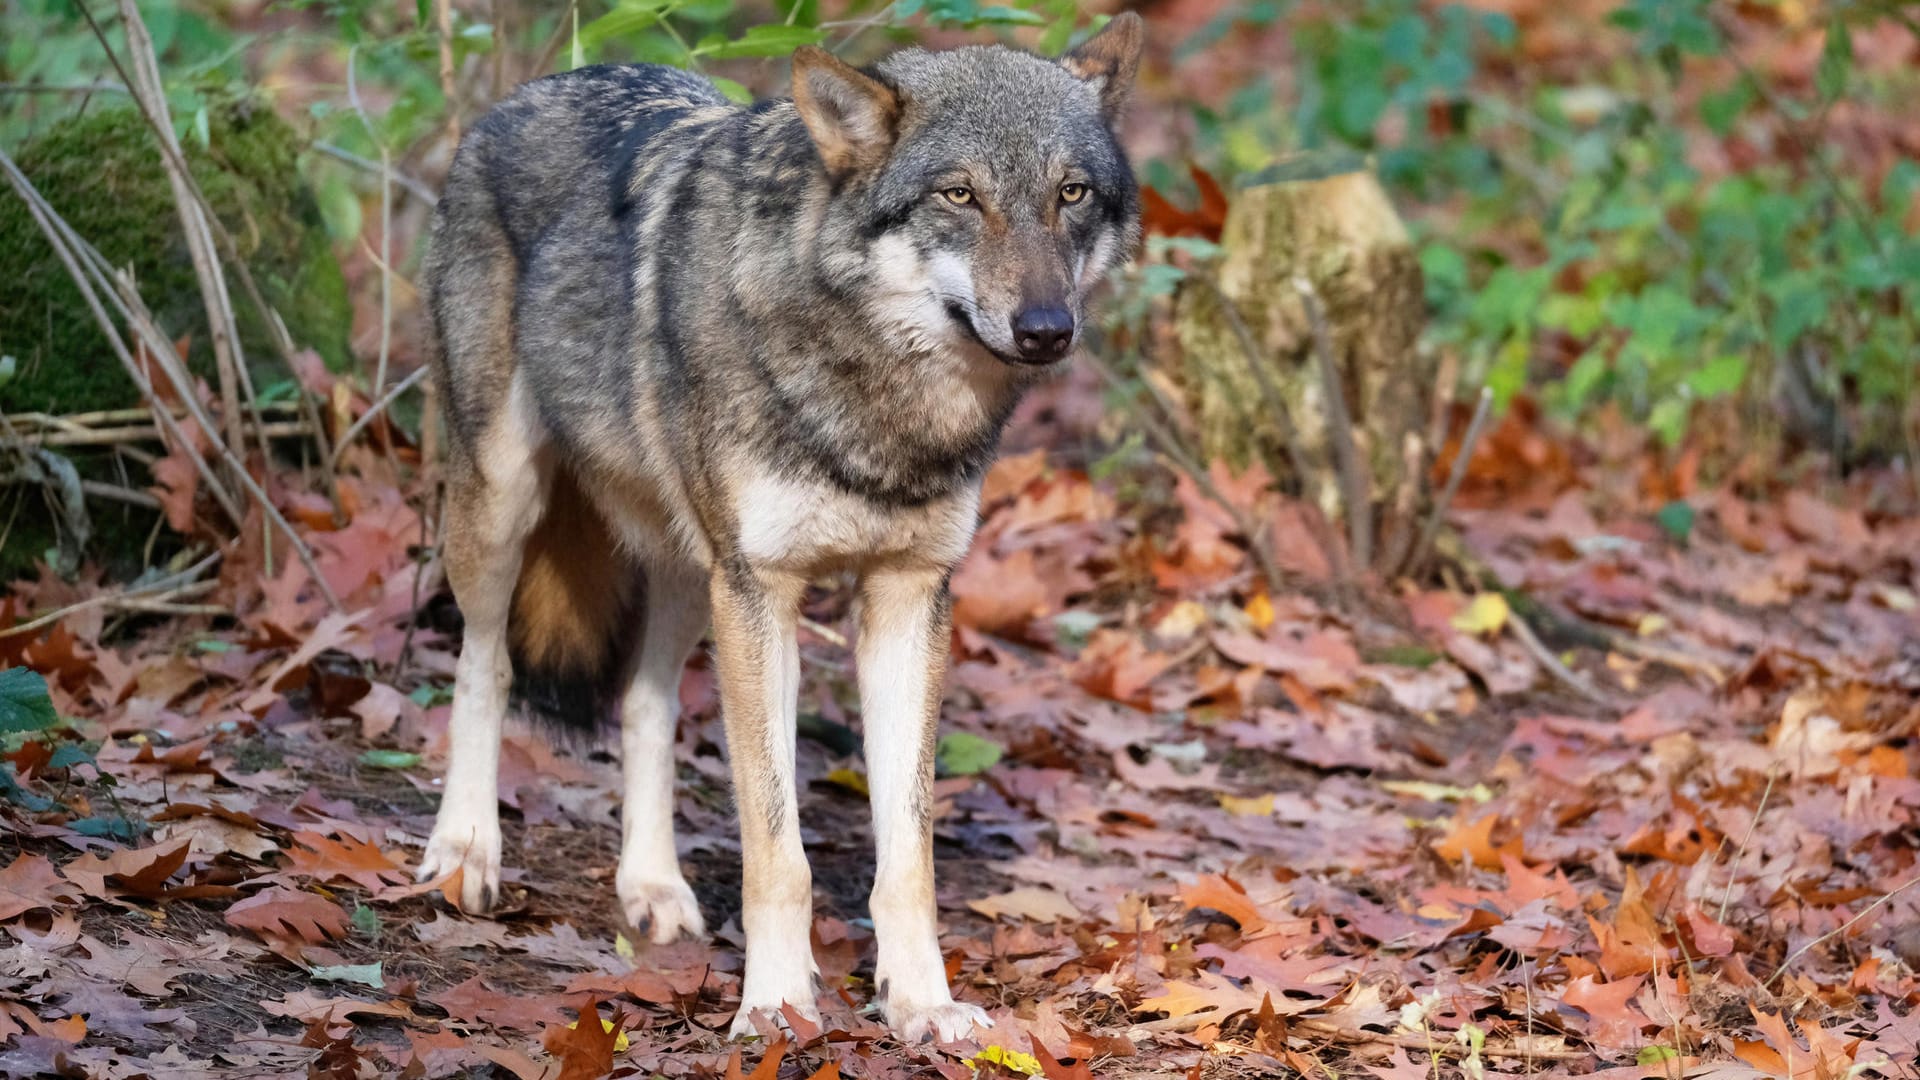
1319, 233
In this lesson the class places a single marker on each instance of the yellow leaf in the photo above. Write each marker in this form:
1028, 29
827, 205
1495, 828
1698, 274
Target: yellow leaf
622, 947
852, 779
1260, 611
620, 1042
1651, 624
1182, 621
1011, 1060
1486, 615
1257, 806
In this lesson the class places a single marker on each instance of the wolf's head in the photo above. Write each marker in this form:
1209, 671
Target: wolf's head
982, 187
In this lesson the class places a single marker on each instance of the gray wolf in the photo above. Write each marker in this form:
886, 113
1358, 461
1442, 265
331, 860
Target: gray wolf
694, 355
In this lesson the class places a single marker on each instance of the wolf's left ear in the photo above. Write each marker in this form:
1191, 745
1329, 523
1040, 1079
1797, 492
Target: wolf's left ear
851, 115
1110, 59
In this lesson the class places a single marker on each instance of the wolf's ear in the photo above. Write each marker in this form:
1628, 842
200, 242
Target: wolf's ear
850, 114
1110, 59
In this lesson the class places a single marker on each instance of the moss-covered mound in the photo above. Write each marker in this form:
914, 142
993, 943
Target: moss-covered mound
102, 171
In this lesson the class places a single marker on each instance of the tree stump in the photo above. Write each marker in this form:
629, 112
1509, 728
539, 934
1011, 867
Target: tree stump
1317, 240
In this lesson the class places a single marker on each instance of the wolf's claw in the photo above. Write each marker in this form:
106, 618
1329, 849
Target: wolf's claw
945, 1022
661, 911
472, 848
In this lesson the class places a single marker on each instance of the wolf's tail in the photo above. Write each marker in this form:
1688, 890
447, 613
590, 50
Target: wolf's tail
576, 620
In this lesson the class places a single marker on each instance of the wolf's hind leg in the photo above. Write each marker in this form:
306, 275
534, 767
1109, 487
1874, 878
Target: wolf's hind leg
494, 500
755, 618
653, 892
901, 655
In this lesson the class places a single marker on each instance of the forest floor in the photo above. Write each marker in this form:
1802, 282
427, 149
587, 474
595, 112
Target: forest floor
1649, 807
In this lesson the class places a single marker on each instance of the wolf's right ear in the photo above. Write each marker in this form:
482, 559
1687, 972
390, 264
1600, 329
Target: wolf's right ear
1110, 59
851, 115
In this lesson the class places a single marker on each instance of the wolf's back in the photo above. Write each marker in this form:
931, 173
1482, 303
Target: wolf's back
527, 266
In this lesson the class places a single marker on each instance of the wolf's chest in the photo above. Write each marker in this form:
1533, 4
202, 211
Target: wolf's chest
812, 528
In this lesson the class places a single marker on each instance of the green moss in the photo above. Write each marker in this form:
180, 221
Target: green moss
102, 172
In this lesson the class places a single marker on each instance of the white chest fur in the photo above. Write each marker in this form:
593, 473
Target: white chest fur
811, 528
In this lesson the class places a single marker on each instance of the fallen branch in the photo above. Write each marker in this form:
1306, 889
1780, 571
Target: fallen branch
1563, 674
173, 587
114, 436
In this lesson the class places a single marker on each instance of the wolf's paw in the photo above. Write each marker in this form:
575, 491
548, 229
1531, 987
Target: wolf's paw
945, 1021
473, 847
743, 1020
659, 910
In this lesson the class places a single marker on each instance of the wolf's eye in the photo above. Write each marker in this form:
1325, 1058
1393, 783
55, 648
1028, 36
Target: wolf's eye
958, 196
1072, 193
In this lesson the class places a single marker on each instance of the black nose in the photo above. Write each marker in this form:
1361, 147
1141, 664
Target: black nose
1043, 333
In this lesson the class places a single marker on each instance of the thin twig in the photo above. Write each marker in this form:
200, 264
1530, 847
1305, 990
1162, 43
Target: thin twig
1346, 453
1568, 677
148, 433
415, 188
1841, 929
443, 18
101, 490
1482, 409
378, 407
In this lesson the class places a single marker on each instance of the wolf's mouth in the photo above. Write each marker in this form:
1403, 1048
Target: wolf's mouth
959, 314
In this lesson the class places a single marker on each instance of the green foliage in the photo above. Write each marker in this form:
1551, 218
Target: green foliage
101, 170
1650, 286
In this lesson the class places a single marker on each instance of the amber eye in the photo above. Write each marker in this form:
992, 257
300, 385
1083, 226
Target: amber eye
958, 196
1072, 193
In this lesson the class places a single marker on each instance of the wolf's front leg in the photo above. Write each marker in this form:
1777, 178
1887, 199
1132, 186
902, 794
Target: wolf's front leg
902, 656
754, 616
653, 893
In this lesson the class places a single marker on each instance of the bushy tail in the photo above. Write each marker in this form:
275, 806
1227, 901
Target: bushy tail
576, 615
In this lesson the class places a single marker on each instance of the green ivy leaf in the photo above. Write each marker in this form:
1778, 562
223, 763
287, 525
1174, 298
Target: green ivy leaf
1676, 519
963, 754
24, 704
389, 759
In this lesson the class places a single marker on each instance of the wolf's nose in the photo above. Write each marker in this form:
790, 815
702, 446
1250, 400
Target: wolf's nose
1043, 333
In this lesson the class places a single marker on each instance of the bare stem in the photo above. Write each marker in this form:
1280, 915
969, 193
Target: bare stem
1346, 453
1455, 475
